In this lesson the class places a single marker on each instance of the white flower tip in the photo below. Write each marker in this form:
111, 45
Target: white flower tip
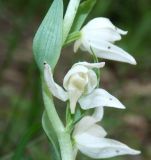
120, 31
131, 60
122, 106
134, 62
76, 46
75, 49
118, 104
124, 32
73, 102
136, 152
72, 108
102, 64
133, 151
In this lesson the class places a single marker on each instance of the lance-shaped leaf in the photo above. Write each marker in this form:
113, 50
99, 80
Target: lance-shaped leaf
48, 39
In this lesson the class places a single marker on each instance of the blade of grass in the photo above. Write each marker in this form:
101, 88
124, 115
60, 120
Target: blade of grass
25, 139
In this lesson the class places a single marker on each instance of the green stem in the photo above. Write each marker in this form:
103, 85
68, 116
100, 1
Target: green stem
66, 146
69, 17
63, 137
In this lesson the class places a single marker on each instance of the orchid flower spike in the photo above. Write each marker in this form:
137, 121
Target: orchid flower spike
90, 139
80, 86
98, 36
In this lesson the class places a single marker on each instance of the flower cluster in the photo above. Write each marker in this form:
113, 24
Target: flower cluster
80, 86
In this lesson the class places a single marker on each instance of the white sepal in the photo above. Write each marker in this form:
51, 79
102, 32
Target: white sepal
102, 23
98, 113
88, 125
96, 148
53, 87
83, 125
107, 50
96, 131
99, 98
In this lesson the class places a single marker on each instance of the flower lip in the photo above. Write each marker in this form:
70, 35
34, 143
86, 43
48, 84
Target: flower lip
73, 71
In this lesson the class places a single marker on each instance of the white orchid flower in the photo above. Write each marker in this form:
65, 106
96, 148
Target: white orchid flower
98, 36
80, 86
90, 140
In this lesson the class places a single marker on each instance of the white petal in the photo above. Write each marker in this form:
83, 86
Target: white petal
98, 114
99, 23
95, 147
92, 82
87, 125
104, 49
83, 125
120, 31
103, 34
74, 70
98, 98
53, 87
97, 131
89, 76
102, 23
91, 65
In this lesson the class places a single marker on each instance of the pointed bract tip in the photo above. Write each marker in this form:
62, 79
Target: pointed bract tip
46, 66
45, 63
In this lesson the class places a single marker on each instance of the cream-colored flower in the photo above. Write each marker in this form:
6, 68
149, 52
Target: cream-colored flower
80, 86
98, 36
90, 139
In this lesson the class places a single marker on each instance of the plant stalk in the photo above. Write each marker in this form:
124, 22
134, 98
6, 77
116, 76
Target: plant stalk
63, 137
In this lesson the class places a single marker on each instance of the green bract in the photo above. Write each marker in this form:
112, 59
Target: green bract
48, 39
82, 13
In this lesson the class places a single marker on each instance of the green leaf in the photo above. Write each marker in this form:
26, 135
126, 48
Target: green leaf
47, 42
55, 154
83, 11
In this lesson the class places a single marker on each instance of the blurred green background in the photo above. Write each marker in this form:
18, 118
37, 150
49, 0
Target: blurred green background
21, 106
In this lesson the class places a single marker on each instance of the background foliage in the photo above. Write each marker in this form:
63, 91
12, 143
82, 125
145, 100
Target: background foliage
21, 106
